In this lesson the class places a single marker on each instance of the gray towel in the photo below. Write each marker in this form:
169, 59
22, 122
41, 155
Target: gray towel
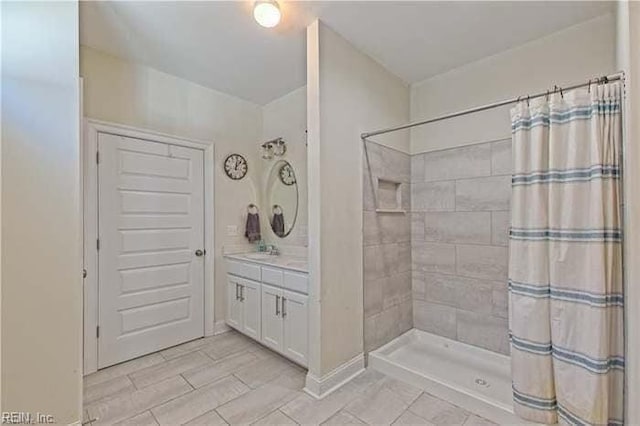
252, 230
277, 224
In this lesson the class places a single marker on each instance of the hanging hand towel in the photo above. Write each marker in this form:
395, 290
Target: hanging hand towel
252, 230
277, 224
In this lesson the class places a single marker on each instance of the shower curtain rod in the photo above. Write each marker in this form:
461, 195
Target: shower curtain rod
613, 77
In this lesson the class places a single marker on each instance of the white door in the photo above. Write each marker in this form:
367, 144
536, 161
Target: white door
150, 225
250, 295
295, 314
234, 303
272, 328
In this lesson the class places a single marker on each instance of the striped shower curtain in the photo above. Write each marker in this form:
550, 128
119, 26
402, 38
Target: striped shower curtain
565, 258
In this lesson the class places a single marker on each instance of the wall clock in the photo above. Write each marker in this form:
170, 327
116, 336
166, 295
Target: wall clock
235, 166
286, 175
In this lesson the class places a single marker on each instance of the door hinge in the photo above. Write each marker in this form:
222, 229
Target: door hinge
97, 332
98, 244
84, 273
97, 157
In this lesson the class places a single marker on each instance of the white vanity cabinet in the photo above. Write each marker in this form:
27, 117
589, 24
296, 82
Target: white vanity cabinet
295, 312
243, 305
284, 322
272, 326
234, 305
269, 304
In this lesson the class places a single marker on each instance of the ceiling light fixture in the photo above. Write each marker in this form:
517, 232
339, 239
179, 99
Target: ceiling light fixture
267, 13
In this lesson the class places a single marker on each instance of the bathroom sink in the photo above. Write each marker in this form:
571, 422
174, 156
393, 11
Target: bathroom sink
258, 256
302, 264
279, 261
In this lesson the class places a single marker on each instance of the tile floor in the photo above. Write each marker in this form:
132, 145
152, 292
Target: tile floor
230, 379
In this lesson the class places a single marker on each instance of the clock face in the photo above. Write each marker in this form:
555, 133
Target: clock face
235, 166
286, 175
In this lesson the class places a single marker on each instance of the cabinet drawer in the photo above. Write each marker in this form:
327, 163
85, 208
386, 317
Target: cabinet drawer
242, 269
296, 282
272, 276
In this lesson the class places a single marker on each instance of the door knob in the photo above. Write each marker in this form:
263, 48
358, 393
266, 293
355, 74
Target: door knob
200, 252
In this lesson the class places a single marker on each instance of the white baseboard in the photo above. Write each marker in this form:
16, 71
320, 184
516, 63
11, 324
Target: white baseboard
220, 327
323, 386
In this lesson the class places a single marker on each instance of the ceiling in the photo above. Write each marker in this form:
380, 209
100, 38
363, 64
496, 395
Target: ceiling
219, 45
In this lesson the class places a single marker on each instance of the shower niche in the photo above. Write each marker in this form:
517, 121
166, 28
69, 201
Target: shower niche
388, 196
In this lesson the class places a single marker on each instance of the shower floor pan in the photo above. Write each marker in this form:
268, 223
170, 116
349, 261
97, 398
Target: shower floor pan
473, 378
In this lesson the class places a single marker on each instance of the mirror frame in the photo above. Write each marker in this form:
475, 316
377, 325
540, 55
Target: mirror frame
277, 166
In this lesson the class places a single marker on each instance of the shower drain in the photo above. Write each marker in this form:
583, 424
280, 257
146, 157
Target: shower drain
482, 382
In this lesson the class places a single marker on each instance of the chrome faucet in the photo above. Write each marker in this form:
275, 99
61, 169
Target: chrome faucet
273, 250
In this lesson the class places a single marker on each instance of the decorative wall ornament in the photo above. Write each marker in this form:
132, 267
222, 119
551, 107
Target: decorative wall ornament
235, 166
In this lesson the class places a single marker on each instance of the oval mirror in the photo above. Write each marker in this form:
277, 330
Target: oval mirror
282, 198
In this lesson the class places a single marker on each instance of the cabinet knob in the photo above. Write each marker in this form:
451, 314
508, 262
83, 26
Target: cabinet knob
200, 253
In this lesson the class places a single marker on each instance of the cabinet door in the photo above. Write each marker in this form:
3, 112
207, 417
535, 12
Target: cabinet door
251, 307
295, 314
234, 305
272, 327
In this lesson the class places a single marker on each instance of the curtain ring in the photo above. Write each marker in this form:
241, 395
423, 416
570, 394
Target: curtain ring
546, 96
528, 99
589, 87
561, 93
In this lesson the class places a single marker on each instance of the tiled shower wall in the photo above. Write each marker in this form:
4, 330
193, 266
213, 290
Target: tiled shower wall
387, 245
459, 235
442, 266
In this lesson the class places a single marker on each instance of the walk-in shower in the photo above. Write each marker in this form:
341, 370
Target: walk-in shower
435, 268
436, 260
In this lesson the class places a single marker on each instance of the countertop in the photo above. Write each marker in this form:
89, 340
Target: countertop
298, 264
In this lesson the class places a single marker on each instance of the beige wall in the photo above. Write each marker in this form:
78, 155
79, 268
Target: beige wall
574, 54
41, 258
628, 59
122, 92
1, 119
286, 117
353, 94
314, 186
633, 275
